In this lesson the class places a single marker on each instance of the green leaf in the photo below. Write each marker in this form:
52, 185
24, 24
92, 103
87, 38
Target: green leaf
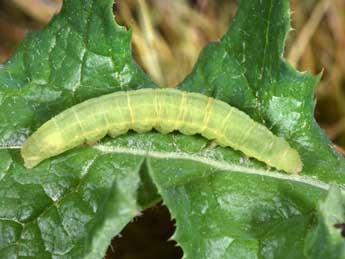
67, 208
225, 205
72, 208
246, 69
326, 240
83, 53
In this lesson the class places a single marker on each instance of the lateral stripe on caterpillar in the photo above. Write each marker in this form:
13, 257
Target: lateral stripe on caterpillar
165, 110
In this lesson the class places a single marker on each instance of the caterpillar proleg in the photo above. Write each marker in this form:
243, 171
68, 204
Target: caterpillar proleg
165, 110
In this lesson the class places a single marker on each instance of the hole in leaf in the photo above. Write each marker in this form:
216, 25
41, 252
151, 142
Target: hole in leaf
146, 237
342, 227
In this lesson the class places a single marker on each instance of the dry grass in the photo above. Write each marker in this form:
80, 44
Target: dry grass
316, 45
168, 36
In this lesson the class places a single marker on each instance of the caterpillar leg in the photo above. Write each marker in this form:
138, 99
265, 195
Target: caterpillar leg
212, 145
91, 142
244, 159
95, 137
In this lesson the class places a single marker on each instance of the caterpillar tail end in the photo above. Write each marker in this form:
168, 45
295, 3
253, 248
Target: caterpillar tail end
294, 162
298, 169
298, 166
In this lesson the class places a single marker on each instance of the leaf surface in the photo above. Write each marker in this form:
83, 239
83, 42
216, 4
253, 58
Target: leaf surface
225, 205
326, 240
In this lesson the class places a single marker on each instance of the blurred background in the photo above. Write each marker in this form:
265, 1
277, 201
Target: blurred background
167, 38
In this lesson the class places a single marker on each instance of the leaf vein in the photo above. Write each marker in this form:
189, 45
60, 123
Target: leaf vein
219, 165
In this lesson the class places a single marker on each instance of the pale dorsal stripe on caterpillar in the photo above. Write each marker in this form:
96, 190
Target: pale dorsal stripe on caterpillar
165, 110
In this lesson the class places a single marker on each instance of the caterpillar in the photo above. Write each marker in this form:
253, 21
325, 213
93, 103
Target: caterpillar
165, 110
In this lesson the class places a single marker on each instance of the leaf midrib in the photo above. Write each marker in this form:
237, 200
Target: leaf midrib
216, 164
220, 165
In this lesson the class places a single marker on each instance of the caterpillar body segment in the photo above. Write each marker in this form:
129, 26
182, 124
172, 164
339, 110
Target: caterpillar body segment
165, 110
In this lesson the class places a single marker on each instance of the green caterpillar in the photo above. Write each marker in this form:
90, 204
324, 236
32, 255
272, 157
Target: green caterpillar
165, 110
